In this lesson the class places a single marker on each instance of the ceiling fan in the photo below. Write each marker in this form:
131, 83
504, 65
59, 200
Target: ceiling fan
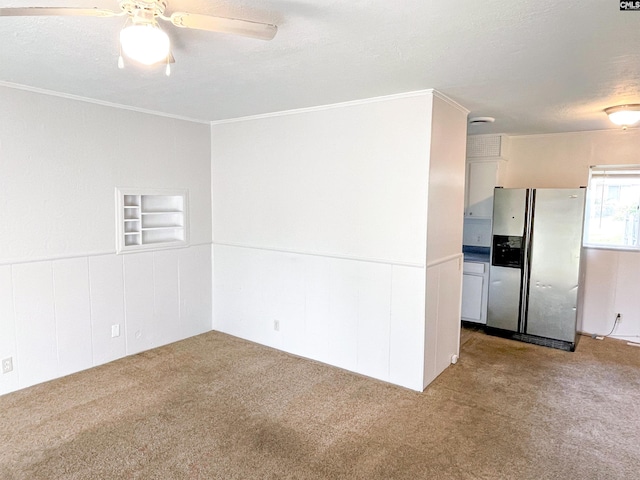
141, 39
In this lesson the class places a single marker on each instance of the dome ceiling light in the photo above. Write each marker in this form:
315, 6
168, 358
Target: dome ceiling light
624, 115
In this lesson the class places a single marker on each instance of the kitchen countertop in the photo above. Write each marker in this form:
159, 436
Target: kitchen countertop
476, 254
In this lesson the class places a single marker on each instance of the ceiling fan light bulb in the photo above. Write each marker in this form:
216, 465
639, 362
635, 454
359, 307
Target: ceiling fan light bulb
144, 43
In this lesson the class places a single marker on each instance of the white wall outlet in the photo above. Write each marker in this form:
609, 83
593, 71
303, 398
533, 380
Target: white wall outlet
619, 317
276, 325
7, 365
115, 330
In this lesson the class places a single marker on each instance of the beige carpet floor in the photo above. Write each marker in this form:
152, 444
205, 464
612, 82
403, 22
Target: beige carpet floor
216, 407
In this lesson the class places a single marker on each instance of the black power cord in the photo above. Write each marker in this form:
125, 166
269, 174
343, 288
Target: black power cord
615, 324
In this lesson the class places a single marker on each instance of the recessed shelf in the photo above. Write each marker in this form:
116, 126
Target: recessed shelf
131, 201
132, 240
169, 227
159, 212
151, 219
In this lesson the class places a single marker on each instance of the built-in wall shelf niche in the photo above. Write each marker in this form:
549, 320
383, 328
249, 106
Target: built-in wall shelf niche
151, 219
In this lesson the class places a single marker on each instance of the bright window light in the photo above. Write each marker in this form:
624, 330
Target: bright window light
612, 218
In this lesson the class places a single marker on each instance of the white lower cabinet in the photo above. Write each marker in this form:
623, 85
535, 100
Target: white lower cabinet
475, 289
472, 297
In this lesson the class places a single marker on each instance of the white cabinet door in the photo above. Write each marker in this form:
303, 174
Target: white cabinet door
472, 297
481, 180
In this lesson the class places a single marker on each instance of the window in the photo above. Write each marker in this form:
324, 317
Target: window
613, 207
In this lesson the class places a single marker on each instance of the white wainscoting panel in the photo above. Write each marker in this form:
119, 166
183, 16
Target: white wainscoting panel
628, 296
73, 314
317, 285
406, 341
107, 308
234, 278
449, 300
138, 301
343, 313
195, 290
166, 292
35, 322
336, 310
599, 291
283, 294
8, 348
611, 287
442, 325
374, 319
431, 324
56, 317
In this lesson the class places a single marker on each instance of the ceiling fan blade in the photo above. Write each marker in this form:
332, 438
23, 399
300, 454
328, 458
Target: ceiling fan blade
246, 28
57, 11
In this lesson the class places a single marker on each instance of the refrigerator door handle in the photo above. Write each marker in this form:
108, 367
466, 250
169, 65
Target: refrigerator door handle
526, 260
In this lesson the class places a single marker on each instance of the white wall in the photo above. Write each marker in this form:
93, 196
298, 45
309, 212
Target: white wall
562, 161
320, 223
445, 215
61, 160
61, 284
446, 180
347, 181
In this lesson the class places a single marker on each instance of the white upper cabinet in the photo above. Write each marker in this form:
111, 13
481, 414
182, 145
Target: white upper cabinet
482, 178
485, 168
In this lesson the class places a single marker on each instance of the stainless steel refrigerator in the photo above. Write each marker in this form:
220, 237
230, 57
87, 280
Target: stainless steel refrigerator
534, 275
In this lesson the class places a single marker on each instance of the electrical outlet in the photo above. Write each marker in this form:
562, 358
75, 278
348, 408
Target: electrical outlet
115, 330
7, 365
276, 325
619, 317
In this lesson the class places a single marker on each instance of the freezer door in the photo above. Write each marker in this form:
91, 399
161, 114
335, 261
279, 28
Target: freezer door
555, 263
503, 309
509, 211
505, 272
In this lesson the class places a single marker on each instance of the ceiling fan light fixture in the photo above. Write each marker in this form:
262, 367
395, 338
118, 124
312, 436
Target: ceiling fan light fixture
145, 43
141, 39
624, 115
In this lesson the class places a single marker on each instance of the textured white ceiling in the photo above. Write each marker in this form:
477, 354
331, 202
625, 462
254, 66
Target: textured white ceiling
537, 66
